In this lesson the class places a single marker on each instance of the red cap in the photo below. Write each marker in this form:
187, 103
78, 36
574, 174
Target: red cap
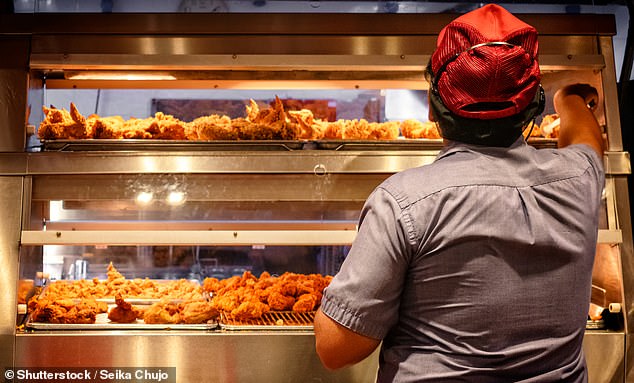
486, 81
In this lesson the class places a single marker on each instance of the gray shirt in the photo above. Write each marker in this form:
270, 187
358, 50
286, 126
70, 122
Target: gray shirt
476, 267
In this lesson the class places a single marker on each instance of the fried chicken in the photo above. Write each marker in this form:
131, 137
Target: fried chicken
106, 127
280, 302
124, 312
63, 311
197, 312
306, 303
248, 297
260, 123
417, 129
162, 312
60, 123
214, 127
267, 124
251, 309
116, 283
549, 126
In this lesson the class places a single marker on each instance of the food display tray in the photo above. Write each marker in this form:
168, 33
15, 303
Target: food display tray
271, 321
89, 145
167, 145
103, 323
398, 144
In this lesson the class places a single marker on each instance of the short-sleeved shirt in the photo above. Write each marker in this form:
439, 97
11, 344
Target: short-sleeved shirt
476, 267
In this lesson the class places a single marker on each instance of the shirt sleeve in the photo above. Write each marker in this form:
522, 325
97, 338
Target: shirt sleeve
593, 159
364, 296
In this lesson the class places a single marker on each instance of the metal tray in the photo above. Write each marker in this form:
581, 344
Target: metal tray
398, 144
401, 144
166, 145
271, 321
103, 323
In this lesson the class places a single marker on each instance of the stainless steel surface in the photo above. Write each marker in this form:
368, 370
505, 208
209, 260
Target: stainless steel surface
11, 213
244, 356
236, 356
190, 237
303, 162
106, 326
610, 95
605, 356
617, 163
369, 161
13, 103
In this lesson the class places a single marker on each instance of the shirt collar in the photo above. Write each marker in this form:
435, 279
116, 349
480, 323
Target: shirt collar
452, 147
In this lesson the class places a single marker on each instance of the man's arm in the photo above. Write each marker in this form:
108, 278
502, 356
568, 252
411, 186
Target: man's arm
338, 346
575, 104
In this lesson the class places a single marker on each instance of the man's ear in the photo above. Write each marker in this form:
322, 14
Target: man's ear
430, 115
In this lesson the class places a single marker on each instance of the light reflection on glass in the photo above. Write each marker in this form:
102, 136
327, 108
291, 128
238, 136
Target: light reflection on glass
144, 198
175, 198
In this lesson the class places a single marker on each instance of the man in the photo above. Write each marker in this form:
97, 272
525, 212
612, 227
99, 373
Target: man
478, 266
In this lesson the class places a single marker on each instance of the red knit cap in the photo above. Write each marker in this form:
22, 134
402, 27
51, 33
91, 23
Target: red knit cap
488, 81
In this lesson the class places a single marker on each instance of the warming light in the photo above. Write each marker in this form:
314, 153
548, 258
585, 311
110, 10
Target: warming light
120, 76
144, 198
175, 198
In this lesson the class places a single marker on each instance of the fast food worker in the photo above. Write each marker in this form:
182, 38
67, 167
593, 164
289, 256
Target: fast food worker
477, 267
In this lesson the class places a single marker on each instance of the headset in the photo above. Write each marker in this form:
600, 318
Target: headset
500, 132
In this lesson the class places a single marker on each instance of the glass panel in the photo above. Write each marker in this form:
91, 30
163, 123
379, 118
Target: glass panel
176, 262
209, 202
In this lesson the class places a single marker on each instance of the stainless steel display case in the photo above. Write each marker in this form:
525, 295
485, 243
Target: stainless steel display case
254, 51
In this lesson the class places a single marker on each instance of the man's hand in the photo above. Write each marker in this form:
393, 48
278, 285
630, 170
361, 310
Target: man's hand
587, 92
575, 104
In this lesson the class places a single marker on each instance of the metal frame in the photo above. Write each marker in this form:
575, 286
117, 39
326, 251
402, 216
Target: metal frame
252, 51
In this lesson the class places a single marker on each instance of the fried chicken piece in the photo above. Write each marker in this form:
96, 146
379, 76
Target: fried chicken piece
123, 312
26, 287
334, 130
320, 127
106, 127
305, 120
384, 130
251, 309
80, 315
162, 312
279, 302
253, 109
211, 284
267, 124
112, 273
214, 127
416, 129
306, 303
195, 312
46, 311
364, 130
136, 128
166, 127
355, 129
62, 124
548, 127
92, 304
63, 311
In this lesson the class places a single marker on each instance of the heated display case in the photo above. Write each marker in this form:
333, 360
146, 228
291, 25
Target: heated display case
221, 208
